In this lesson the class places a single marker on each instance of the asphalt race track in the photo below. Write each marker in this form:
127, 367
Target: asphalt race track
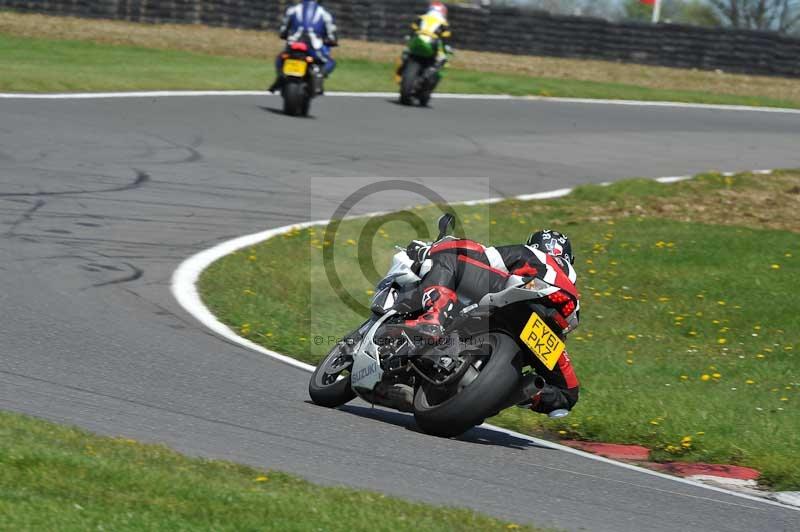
100, 200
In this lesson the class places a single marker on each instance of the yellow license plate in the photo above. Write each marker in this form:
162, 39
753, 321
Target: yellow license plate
295, 67
542, 341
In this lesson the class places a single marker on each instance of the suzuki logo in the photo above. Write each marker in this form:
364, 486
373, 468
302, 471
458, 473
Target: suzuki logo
364, 372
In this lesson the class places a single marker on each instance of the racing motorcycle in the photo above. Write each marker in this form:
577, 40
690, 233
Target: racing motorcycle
420, 73
480, 366
302, 79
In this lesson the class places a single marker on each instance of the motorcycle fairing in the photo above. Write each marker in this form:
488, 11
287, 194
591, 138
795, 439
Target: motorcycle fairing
366, 372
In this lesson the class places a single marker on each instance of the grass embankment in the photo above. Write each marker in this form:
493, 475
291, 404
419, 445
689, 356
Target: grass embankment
48, 54
59, 478
689, 335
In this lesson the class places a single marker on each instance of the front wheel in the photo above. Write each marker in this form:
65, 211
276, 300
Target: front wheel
330, 382
450, 412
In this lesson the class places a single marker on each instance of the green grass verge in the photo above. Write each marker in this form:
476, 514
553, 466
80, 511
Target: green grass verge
59, 478
689, 335
42, 65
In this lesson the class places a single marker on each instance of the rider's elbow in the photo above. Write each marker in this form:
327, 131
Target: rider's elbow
572, 395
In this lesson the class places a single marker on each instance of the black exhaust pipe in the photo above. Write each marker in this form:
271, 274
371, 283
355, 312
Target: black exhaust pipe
527, 388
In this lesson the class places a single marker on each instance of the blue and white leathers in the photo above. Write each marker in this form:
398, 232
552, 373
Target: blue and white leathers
310, 22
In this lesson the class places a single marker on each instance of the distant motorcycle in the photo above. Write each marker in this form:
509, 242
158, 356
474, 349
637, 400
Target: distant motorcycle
473, 372
302, 79
420, 73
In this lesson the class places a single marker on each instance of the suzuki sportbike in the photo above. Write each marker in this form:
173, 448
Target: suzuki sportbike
480, 366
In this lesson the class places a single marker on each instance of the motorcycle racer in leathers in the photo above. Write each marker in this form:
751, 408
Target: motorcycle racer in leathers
470, 269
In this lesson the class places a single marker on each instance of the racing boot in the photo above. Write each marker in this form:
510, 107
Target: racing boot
276, 85
401, 65
437, 304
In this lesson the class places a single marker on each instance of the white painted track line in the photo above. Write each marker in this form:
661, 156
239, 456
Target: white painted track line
449, 96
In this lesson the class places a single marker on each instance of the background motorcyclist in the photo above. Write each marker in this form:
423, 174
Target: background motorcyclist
433, 26
470, 269
307, 21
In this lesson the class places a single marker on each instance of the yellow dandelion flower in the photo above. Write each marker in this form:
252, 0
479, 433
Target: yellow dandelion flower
370, 292
562, 432
760, 355
784, 398
692, 333
663, 299
749, 381
654, 422
776, 266
629, 361
705, 377
716, 375
631, 337
722, 341
700, 296
351, 241
684, 377
721, 303
261, 479
252, 258
592, 271
512, 526
787, 254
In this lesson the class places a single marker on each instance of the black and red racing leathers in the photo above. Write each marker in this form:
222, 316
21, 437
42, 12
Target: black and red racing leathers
472, 270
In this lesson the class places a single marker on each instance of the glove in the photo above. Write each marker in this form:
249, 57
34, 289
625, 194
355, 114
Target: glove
417, 250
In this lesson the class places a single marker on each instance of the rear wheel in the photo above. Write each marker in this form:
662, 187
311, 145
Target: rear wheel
452, 411
409, 81
294, 97
330, 382
431, 80
424, 98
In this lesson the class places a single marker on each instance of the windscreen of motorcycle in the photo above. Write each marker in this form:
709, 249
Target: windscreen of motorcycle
401, 269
